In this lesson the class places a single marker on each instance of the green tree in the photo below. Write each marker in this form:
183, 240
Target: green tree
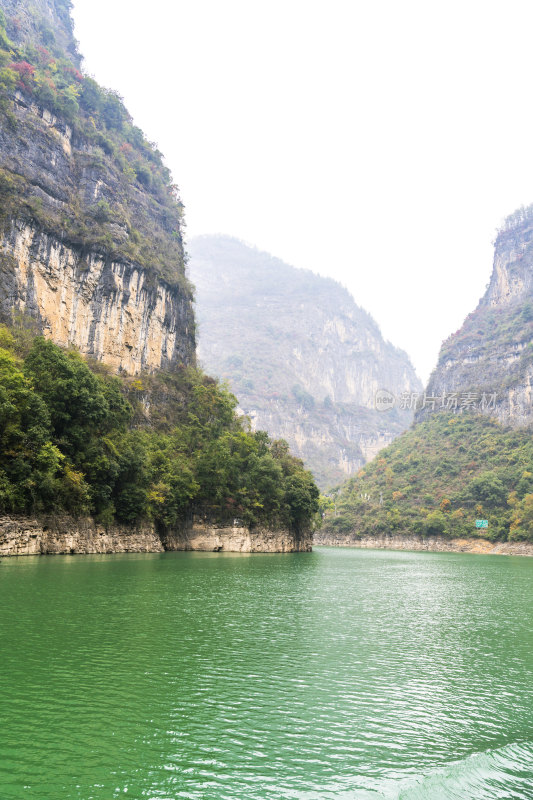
301, 496
73, 395
435, 524
489, 490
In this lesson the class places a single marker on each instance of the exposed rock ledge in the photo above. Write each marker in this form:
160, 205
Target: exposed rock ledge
430, 543
201, 536
24, 536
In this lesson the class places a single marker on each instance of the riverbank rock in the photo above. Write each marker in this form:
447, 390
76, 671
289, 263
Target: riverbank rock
437, 544
238, 539
24, 536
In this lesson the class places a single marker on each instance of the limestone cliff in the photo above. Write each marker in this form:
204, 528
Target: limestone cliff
303, 359
26, 536
108, 309
489, 361
433, 544
90, 223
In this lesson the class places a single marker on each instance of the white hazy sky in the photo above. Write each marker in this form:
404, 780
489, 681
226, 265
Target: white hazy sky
380, 143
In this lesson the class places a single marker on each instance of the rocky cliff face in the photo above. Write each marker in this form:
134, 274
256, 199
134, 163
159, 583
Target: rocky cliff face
24, 536
303, 359
90, 226
91, 255
488, 364
44, 22
106, 308
238, 539
434, 484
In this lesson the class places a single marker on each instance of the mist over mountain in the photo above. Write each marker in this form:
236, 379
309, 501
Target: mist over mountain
304, 360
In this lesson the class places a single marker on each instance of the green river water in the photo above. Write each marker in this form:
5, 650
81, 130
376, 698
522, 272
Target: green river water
333, 675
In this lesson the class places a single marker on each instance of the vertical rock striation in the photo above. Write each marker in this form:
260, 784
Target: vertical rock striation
64, 535
106, 308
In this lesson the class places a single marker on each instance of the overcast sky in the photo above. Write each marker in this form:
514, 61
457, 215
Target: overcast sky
380, 143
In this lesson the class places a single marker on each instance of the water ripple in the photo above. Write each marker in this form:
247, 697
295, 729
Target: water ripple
340, 674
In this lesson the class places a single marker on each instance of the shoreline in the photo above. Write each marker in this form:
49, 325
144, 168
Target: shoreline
64, 535
21, 536
430, 544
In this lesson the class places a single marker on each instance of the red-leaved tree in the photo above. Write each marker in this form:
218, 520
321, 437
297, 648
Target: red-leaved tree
25, 74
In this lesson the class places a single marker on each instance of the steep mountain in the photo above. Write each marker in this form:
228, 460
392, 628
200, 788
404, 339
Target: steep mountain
469, 455
90, 222
45, 23
304, 361
110, 438
491, 356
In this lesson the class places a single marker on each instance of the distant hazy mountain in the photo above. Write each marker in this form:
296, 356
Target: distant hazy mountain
303, 359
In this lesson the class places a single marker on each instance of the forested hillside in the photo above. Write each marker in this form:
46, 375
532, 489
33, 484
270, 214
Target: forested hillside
439, 478
76, 439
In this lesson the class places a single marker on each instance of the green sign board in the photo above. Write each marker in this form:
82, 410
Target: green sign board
482, 523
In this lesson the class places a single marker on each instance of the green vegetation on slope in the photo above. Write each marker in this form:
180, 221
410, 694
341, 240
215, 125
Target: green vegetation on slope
77, 440
484, 333
438, 478
109, 146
